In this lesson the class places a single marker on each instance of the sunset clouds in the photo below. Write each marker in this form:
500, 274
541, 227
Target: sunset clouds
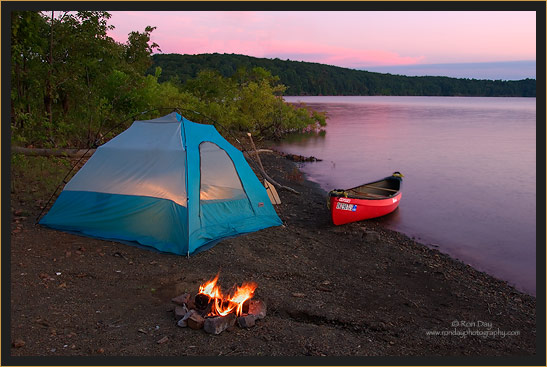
349, 39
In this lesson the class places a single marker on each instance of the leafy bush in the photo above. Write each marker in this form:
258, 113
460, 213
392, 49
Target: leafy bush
249, 101
84, 88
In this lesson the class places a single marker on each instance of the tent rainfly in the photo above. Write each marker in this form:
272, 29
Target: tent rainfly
167, 183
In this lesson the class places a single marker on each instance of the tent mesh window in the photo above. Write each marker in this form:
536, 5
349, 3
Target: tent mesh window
219, 178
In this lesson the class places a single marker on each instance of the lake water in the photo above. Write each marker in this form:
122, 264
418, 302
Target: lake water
469, 166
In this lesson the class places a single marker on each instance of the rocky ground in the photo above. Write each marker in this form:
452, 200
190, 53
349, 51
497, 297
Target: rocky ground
352, 290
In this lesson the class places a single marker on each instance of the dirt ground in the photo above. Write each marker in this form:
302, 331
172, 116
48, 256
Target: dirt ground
330, 291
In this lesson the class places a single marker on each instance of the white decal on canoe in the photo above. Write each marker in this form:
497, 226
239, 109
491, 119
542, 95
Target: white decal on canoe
344, 200
394, 200
344, 206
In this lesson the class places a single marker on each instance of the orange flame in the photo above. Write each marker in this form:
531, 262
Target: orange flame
223, 305
210, 288
243, 293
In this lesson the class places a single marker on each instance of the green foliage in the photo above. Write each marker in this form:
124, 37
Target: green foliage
139, 49
28, 69
74, 86
305, 78
36, 178
249, 101
71, 82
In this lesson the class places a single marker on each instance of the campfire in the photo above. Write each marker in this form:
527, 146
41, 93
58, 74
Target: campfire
215, 312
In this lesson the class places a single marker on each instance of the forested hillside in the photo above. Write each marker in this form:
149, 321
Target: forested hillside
74, 86
305, 78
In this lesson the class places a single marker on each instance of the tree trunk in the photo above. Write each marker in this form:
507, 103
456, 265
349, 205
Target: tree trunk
13, 119
48, 99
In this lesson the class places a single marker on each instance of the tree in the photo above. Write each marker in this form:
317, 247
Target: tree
70, 79
73, 85
249, 101
27, 46
139, 49
305, 78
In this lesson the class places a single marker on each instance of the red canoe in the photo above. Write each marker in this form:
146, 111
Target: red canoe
367, 201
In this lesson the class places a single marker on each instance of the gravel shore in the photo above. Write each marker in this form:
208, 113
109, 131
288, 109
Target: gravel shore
353, 290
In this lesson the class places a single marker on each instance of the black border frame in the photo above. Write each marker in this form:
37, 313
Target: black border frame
538, 6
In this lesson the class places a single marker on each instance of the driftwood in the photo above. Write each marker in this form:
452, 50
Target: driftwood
256, 151
264, 174
76, 153
248, 154
270, 188
277, 184
57, 152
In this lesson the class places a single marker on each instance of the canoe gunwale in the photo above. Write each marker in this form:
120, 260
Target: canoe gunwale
369, 196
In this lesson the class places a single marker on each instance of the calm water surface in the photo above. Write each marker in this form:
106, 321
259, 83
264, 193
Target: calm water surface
469, 166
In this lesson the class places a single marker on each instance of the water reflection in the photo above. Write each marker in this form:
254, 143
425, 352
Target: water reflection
305, 138
469, 166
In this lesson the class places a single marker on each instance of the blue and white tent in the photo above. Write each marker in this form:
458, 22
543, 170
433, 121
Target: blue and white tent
167, 183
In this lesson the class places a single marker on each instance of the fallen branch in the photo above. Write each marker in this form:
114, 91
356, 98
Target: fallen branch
257, 151
264, 174
76, 153
277, 184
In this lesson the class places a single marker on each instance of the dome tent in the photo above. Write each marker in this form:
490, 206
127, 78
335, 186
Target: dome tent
167, 183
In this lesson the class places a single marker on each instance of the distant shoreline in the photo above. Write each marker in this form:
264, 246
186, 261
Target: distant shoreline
511, 70
308, 78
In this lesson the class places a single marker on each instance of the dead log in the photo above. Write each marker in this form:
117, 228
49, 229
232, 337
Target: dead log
56, 152
77, 153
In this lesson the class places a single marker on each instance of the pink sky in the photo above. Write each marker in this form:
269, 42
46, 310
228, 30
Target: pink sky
349, 39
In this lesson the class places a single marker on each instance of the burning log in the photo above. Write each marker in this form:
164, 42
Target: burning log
202, 301
215, 312
224, 304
